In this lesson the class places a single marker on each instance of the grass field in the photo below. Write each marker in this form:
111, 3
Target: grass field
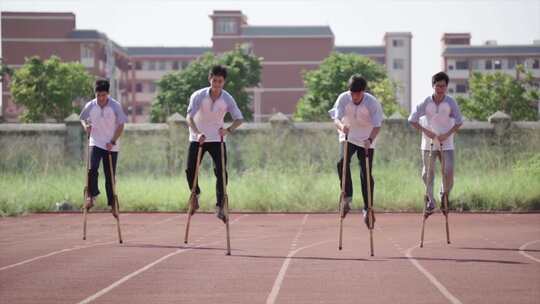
291, 173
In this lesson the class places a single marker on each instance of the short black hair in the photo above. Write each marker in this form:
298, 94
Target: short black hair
218, 70
102, 85
357, 83
440, 76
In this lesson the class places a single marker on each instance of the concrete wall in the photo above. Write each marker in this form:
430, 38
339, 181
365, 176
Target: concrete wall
162, 147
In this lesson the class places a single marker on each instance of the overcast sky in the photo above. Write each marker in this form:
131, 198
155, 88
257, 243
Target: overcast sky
186, 23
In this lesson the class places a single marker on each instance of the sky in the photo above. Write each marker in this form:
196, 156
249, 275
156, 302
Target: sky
186, 22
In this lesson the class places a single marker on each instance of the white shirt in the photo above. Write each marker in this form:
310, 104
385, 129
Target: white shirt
361, 118
104, 122
208, 114
439, 119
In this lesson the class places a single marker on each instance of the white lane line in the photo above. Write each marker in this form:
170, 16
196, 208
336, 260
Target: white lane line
71, 249
525, 254
54, 253
131, 275
281, 274
23, 219
426, 273
279, 280
16, 241
148, 266
431, 277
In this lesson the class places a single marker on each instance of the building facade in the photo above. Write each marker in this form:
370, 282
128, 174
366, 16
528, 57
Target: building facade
148, 65
46, 34
286, 52
460, 59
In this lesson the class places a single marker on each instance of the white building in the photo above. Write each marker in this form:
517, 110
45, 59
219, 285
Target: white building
460, 59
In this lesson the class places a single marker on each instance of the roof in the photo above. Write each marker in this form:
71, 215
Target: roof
492, 50
292, 31
87, 34
361, 50
93, 34
44, 15
167, 51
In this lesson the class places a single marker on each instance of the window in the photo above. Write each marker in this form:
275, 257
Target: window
462, 65
450, 67
451, 90
184, 64
497, 64
398, 43
513, 62
536, 64
138, 87
146, 65
87, 55
488, 64
152, 87
149, 65
461, 88
162, 65
138, 65
138, 110
175, 65
398, 64
87, 51
226, 26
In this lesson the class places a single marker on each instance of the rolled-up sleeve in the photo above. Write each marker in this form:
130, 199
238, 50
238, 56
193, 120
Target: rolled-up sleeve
85, 113
194, 103
121, 117
376, 113
232, 108
332, 113
338, 111
418, 112
455, 112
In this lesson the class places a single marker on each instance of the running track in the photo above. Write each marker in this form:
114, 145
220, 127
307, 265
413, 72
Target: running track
276, 258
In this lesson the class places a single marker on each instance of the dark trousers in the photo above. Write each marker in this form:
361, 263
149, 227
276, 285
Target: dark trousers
361, 154
97, 155
214, 148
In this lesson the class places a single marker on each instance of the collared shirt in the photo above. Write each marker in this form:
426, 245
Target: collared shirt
104, 121
438, 118
208, 114
361, 118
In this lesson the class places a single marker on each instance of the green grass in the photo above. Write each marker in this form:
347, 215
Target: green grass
397, 188
289, 173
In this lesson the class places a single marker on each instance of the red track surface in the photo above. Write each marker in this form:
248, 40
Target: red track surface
276, 258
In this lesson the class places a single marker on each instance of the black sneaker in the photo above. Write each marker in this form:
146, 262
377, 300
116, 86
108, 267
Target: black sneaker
365, 213
194, 201
90, 201
114, 210
430, 207
444, 198
345, 206
220, 214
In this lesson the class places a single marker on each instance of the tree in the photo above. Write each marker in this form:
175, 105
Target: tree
499, 91
385, 91
4, 70
175, 89
48, 89
326, 83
